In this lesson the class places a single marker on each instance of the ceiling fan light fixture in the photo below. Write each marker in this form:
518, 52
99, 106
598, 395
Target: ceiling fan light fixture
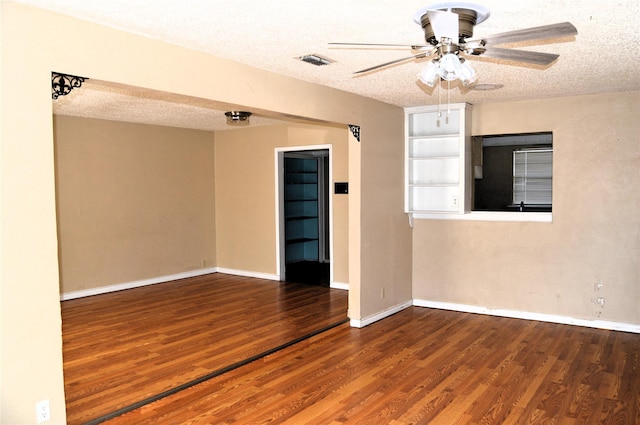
468, 75
237, 117
430, 75
450, 68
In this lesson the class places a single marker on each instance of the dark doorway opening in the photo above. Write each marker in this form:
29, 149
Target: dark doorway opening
306, 217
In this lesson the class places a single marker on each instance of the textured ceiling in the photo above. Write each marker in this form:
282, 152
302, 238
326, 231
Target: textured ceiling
273, 34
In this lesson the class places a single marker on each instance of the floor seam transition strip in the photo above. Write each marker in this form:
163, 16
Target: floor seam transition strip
209, 376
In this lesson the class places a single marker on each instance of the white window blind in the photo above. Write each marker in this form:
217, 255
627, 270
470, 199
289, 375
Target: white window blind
532, 176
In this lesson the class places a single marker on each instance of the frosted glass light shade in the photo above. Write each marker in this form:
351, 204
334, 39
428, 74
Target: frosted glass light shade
429, 75
450, 67
468, 75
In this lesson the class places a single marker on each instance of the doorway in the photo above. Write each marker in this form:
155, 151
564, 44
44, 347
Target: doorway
305, 217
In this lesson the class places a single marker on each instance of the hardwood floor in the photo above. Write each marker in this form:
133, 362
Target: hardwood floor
424, 366
126, 347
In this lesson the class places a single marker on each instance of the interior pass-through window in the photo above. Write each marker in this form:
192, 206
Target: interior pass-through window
515, 172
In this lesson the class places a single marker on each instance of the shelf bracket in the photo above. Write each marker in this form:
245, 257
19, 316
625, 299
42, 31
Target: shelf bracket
62, 84
355, 130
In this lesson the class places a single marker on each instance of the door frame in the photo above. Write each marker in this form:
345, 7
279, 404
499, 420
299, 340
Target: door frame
279, 192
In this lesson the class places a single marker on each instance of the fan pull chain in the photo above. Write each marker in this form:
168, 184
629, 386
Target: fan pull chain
448, 100
439, 103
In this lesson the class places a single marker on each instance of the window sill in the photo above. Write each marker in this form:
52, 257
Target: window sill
536, 217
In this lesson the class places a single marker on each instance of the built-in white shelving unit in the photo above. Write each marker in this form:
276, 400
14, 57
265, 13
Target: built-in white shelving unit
438, 168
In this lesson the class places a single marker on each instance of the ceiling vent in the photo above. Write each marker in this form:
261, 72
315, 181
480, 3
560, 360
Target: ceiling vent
487, 86
316, 60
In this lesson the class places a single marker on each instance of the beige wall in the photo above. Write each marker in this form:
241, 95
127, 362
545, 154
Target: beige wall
246, 194
36, 42
551, 268
385, 227
134, 201
137, 201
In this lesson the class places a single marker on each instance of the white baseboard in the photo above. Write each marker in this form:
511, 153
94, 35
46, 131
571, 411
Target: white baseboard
361, 323
339, 285
167, 278
541, 317
135, 284
267, 276
334, 285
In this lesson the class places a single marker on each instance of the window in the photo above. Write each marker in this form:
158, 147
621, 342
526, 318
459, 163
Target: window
532, 177
513, 172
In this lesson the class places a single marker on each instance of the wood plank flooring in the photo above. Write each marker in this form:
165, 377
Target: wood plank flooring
425, 366
124, 347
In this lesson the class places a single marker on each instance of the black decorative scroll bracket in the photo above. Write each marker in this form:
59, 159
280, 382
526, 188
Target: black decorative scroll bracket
62, 84
355, 130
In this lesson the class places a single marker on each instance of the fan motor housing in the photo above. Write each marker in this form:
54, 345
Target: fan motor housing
466, 21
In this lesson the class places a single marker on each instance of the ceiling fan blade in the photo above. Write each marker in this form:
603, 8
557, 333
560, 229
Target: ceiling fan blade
536, 58
544, 32
444, 24
382, 65
412, 46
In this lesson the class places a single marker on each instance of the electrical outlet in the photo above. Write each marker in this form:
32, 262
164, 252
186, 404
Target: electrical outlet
43, 412
454, 201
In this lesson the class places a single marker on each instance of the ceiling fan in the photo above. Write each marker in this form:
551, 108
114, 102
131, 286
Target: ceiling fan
448, 30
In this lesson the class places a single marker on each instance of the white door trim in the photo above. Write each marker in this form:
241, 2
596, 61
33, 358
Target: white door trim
279, 193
